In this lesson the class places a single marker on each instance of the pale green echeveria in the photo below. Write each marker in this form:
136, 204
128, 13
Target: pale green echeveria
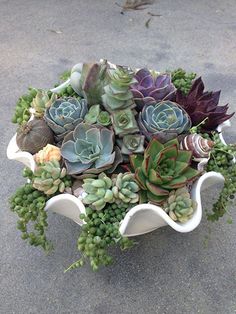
89, 149
104, 118
98, 191
124, 122
95, 115
88, 80
125, 188
131, 143
179, 205
163, 119
117, 92
92, 115
64, 114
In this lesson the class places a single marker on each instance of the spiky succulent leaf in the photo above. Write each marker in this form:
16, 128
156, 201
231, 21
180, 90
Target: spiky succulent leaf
202, 105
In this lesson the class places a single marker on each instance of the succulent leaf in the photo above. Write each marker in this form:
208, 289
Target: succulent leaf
90, 149
163, 118
159, 171
152, 88
202, 105
99, 191
64, 115
179, 205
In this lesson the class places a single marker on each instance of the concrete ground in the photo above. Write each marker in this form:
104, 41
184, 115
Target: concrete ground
168, 272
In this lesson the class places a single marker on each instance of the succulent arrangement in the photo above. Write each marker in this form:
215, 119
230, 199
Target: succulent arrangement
117, 137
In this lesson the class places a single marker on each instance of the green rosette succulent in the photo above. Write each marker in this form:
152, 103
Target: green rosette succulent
162, 168
165, 119
64, 114
131, 144
179, 206
41, 102
95, 115
92, 115
88, 80
124, 122
90, 149
125, 188
117, 93
104, 118
50, 178
98, 191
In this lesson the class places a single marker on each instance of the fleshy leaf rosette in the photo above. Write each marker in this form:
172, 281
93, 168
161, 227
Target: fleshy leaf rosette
165, 120
124, 122
64, 114
99, 191
89, 149
125, 188
131, 144
49, 177
152, 88
179, 206
202, 106
117, 93
162, 168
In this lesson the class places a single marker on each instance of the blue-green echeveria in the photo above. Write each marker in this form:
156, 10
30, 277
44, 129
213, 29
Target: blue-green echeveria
64, 114
89, 149
164, 120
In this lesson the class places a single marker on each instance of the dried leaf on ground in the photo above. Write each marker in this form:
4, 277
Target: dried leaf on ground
135, 4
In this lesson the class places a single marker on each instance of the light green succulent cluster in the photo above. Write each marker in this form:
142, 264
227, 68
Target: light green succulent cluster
50, 178
179, 205
121, 188
98, 191
117, 93
125, 188
41, 102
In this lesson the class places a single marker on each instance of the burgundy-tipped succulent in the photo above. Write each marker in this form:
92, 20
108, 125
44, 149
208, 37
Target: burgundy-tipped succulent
202, 106
161, 169
152, 88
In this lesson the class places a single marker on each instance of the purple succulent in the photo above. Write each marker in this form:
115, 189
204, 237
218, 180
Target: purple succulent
202, 105
152, 88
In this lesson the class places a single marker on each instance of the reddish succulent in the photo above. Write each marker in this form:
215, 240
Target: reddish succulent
202, 106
